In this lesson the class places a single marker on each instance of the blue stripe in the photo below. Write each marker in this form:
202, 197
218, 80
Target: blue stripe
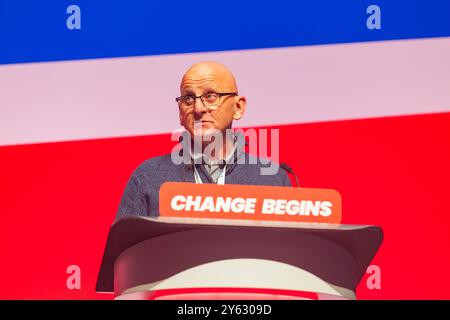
33, 31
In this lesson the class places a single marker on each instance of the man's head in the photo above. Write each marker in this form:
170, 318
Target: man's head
214, 110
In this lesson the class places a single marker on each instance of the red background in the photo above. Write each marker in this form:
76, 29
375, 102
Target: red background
57, 201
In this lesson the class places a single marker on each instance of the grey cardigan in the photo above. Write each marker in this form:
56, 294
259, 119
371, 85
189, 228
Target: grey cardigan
141, 195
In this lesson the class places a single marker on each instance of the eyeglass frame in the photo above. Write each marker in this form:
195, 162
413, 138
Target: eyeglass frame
221, 94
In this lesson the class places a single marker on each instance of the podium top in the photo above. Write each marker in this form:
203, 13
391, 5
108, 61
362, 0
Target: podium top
360, 241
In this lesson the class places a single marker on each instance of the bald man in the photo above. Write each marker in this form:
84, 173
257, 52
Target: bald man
211, 152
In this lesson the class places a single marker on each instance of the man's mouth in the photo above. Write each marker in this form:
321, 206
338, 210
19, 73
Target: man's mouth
200, 124
203, 122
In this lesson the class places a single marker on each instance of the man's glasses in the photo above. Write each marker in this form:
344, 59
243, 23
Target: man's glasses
210, 100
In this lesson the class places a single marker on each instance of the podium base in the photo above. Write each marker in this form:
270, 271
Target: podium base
227, 294
238, 279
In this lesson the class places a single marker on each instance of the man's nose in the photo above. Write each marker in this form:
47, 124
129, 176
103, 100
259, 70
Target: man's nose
199, 107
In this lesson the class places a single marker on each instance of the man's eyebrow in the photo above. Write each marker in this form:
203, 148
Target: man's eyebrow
206, 89
210, 89
186, 91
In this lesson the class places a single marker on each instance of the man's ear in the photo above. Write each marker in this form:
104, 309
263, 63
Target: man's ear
239, 107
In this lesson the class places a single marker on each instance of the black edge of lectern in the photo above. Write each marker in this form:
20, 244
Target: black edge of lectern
132, 230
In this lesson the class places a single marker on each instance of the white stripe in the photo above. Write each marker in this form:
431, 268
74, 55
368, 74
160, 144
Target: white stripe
60, 101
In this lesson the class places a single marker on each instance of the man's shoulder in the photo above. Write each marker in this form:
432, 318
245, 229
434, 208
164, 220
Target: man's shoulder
258, 162
154, 165
251, 159
262, 170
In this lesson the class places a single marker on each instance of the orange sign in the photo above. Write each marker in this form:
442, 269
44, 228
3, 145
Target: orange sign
249, 202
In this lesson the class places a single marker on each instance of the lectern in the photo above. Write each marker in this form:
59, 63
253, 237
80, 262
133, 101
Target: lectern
189, 258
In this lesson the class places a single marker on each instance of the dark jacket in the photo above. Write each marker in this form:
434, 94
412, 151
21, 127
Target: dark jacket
141, 195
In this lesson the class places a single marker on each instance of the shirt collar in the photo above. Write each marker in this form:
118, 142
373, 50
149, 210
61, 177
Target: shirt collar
230, 158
